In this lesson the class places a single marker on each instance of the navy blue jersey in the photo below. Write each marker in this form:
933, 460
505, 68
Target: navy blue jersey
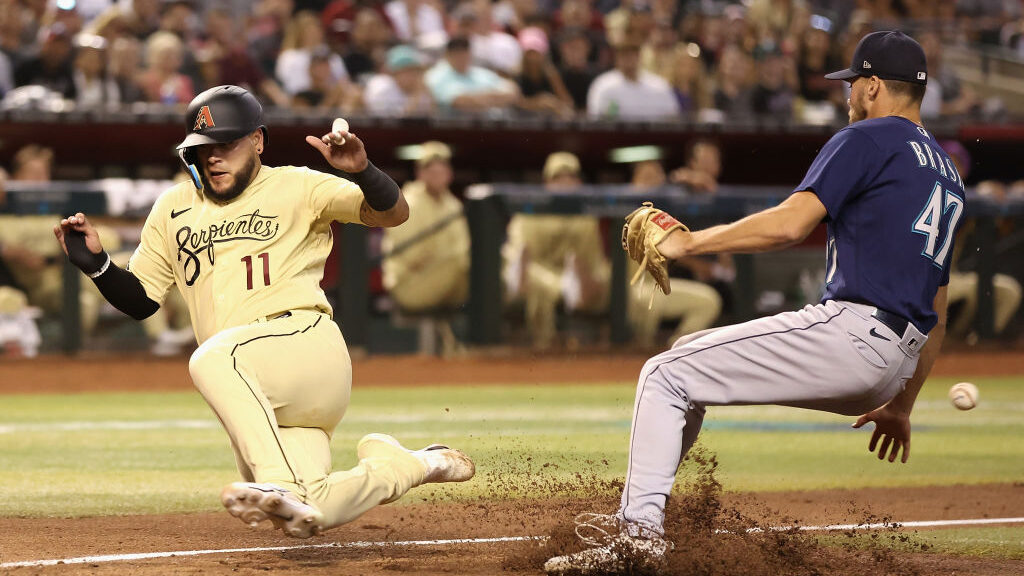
894, 202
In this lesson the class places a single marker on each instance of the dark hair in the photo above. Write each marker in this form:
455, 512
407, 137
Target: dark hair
458, 43
912, 90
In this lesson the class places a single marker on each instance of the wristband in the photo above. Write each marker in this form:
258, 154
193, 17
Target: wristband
380, 191
98, 273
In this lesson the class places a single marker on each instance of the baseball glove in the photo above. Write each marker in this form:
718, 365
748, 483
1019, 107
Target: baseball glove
645, 228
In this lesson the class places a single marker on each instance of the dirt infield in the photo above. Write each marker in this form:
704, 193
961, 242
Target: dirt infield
493, 516
39, 539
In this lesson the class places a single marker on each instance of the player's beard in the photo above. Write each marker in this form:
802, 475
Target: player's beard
857, 111
241, 180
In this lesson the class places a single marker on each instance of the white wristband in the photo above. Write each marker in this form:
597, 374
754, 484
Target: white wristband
102, 269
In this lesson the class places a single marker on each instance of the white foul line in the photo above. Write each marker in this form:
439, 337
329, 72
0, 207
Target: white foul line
367, 544
148, 555
878, 525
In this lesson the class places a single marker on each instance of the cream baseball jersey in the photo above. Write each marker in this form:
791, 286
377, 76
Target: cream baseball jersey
261, 254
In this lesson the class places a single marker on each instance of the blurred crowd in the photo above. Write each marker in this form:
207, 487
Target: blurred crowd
707, 60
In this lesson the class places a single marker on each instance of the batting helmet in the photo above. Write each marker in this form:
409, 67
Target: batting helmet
218, 115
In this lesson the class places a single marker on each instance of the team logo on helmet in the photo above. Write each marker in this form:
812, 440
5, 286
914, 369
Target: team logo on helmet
204, 119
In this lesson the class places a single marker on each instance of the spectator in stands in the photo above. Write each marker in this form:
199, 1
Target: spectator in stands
692, 304
162, 80
780, 20
19, 335
733, 95
325, 91
775, 90
426, 260
225, 60
689, 80
658, 52
554, 258
456, 84
400, 89
302, 36
265, 32
417, 22
628, 93
963, 284
370, 39
141, 18
618, 22
179, 18
124, 58
12, 32
93, 84
541, 85
702, 169
580, 15
514, 15
491, 48
576, 71
52, 67
945, 96
816, 58
35, 265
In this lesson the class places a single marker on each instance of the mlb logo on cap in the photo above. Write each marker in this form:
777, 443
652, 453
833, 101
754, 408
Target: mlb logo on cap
890, 55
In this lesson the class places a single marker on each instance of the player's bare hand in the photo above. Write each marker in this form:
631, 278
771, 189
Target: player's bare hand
78, 224
342, 150
892, 427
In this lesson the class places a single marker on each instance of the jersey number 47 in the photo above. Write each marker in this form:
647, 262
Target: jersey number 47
933, 224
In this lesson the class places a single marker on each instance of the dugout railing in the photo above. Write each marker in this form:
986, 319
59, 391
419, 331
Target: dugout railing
488, 209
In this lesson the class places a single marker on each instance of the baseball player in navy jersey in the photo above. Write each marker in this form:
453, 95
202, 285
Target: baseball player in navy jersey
892, 200
245, 244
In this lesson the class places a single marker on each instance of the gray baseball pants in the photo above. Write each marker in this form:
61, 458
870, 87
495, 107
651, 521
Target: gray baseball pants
834, 357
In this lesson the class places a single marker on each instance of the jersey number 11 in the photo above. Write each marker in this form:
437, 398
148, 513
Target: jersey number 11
265, 257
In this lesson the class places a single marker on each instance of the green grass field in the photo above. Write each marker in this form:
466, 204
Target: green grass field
130, 453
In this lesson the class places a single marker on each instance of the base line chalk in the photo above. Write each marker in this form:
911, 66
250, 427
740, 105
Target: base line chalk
369, 544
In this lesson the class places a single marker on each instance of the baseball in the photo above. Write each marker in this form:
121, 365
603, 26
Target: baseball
340, 125
964, 395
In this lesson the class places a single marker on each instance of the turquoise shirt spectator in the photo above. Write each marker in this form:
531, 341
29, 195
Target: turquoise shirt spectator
446, 84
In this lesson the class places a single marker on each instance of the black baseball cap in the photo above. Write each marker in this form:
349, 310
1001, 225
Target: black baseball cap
890, 55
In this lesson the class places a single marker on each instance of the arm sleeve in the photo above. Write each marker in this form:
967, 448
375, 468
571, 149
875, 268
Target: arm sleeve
333, 198
846, 163
124, 291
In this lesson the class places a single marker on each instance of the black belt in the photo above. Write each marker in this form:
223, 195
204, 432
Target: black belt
895, 322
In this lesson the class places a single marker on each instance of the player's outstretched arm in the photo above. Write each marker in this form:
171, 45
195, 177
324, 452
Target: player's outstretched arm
81, 243
892, 421
385, 206
771, 229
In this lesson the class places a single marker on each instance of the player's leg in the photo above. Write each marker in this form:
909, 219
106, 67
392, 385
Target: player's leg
543, 290
822, 357
700, 305
303, 369
1006, 292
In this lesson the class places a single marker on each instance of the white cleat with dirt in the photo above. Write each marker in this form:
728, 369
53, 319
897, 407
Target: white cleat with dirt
253, 503
443, 464
622, 555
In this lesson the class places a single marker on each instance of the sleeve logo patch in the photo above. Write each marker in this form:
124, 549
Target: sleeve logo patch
204, 119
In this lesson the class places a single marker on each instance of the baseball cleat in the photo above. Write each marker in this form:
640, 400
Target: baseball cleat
443, 464
623, 554
253, 503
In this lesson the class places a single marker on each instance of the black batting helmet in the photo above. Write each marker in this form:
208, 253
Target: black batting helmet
218, 115
221, 114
